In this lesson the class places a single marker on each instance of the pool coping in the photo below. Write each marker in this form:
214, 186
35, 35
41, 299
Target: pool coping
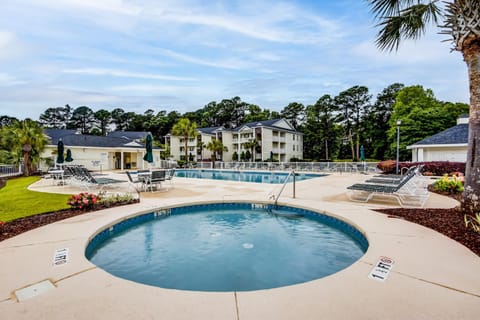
448, 288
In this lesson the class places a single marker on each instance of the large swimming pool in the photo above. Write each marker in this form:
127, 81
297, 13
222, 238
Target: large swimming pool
227, 247
244, 176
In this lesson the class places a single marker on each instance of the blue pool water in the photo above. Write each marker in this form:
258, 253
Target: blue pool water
227, 247
245, 176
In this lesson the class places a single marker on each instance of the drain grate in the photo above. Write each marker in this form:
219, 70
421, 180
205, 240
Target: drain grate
33, 290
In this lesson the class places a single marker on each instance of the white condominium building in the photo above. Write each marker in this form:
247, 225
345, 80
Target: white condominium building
276, 139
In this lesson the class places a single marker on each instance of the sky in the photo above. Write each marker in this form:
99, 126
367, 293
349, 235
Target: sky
177, 55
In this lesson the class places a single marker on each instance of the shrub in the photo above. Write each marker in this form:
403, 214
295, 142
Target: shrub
473, 222
440, 168
83, 200
387, 166
117, 198
181, 163
450, 185
432, 168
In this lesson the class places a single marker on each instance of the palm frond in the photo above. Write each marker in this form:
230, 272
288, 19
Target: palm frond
388, 8
410, 23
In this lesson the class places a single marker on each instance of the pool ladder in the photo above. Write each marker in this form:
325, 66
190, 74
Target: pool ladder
292, 173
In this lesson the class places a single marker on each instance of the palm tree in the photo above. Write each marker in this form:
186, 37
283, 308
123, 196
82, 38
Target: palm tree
216, 146
187, 130
251, 144
25, 139
200, 147
408, 19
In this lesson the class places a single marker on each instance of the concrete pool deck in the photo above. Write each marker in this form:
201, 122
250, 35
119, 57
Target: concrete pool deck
433, 276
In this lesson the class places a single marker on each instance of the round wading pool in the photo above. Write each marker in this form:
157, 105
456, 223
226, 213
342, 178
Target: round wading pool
227, 247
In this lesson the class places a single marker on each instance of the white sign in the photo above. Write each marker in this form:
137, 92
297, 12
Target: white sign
381, 269
60, 257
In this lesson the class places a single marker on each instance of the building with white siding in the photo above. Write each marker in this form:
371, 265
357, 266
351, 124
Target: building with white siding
448, 145
118, 150
276, 138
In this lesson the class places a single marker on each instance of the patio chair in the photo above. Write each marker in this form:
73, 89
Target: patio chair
158, 177
169, 176
396, 179
408, 192
134, 182
87, 180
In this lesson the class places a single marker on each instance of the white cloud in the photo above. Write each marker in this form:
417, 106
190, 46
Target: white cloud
124, 73
6, 38
115, 6
228, 63
430, 49
271, 21
8, 80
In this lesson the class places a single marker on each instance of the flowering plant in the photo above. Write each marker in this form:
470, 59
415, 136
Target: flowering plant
83, 200
451, 185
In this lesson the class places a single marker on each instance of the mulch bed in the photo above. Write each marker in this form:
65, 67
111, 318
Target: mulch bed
15, 227
449, 222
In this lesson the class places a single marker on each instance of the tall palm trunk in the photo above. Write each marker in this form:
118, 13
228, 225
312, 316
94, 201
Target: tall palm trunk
326, 149
214, 157
471, 55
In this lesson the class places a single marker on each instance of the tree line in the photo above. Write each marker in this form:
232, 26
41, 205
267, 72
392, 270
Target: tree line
334, 127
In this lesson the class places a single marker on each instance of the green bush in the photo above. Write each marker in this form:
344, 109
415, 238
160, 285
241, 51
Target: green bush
181, 163
450, 185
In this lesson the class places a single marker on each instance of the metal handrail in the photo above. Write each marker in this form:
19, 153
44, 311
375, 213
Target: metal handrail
283, 187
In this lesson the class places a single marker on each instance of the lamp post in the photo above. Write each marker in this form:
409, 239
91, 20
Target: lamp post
399, 122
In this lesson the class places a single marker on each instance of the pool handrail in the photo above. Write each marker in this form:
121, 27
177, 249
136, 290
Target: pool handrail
284, 184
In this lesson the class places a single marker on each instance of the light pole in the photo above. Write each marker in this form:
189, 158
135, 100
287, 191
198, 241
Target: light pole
399, 122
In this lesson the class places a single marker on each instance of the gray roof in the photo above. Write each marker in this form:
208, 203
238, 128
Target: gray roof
209, 130
264, 123
71, 139
55, 134
132, 135
453, 135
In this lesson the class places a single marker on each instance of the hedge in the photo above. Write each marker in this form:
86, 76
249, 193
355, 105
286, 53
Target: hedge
431, 168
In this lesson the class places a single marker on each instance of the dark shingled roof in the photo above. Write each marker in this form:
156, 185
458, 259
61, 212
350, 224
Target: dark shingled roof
71, 139
264, 123
209, 130
55, 134
132, 135
453, 135
78, 140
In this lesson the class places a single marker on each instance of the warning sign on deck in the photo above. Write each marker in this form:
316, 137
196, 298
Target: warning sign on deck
382, 269
60, 257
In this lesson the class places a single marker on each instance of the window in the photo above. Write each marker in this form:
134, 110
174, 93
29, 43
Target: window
293, 139
293, 147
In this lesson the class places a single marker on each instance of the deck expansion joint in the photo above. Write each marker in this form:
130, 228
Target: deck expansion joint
236, 305
39, 243
429, 282
75, 274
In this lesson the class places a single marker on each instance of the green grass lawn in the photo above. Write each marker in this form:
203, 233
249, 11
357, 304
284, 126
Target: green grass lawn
16, 201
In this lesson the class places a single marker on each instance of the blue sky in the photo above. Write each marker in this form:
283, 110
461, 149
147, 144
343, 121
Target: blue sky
180, 55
